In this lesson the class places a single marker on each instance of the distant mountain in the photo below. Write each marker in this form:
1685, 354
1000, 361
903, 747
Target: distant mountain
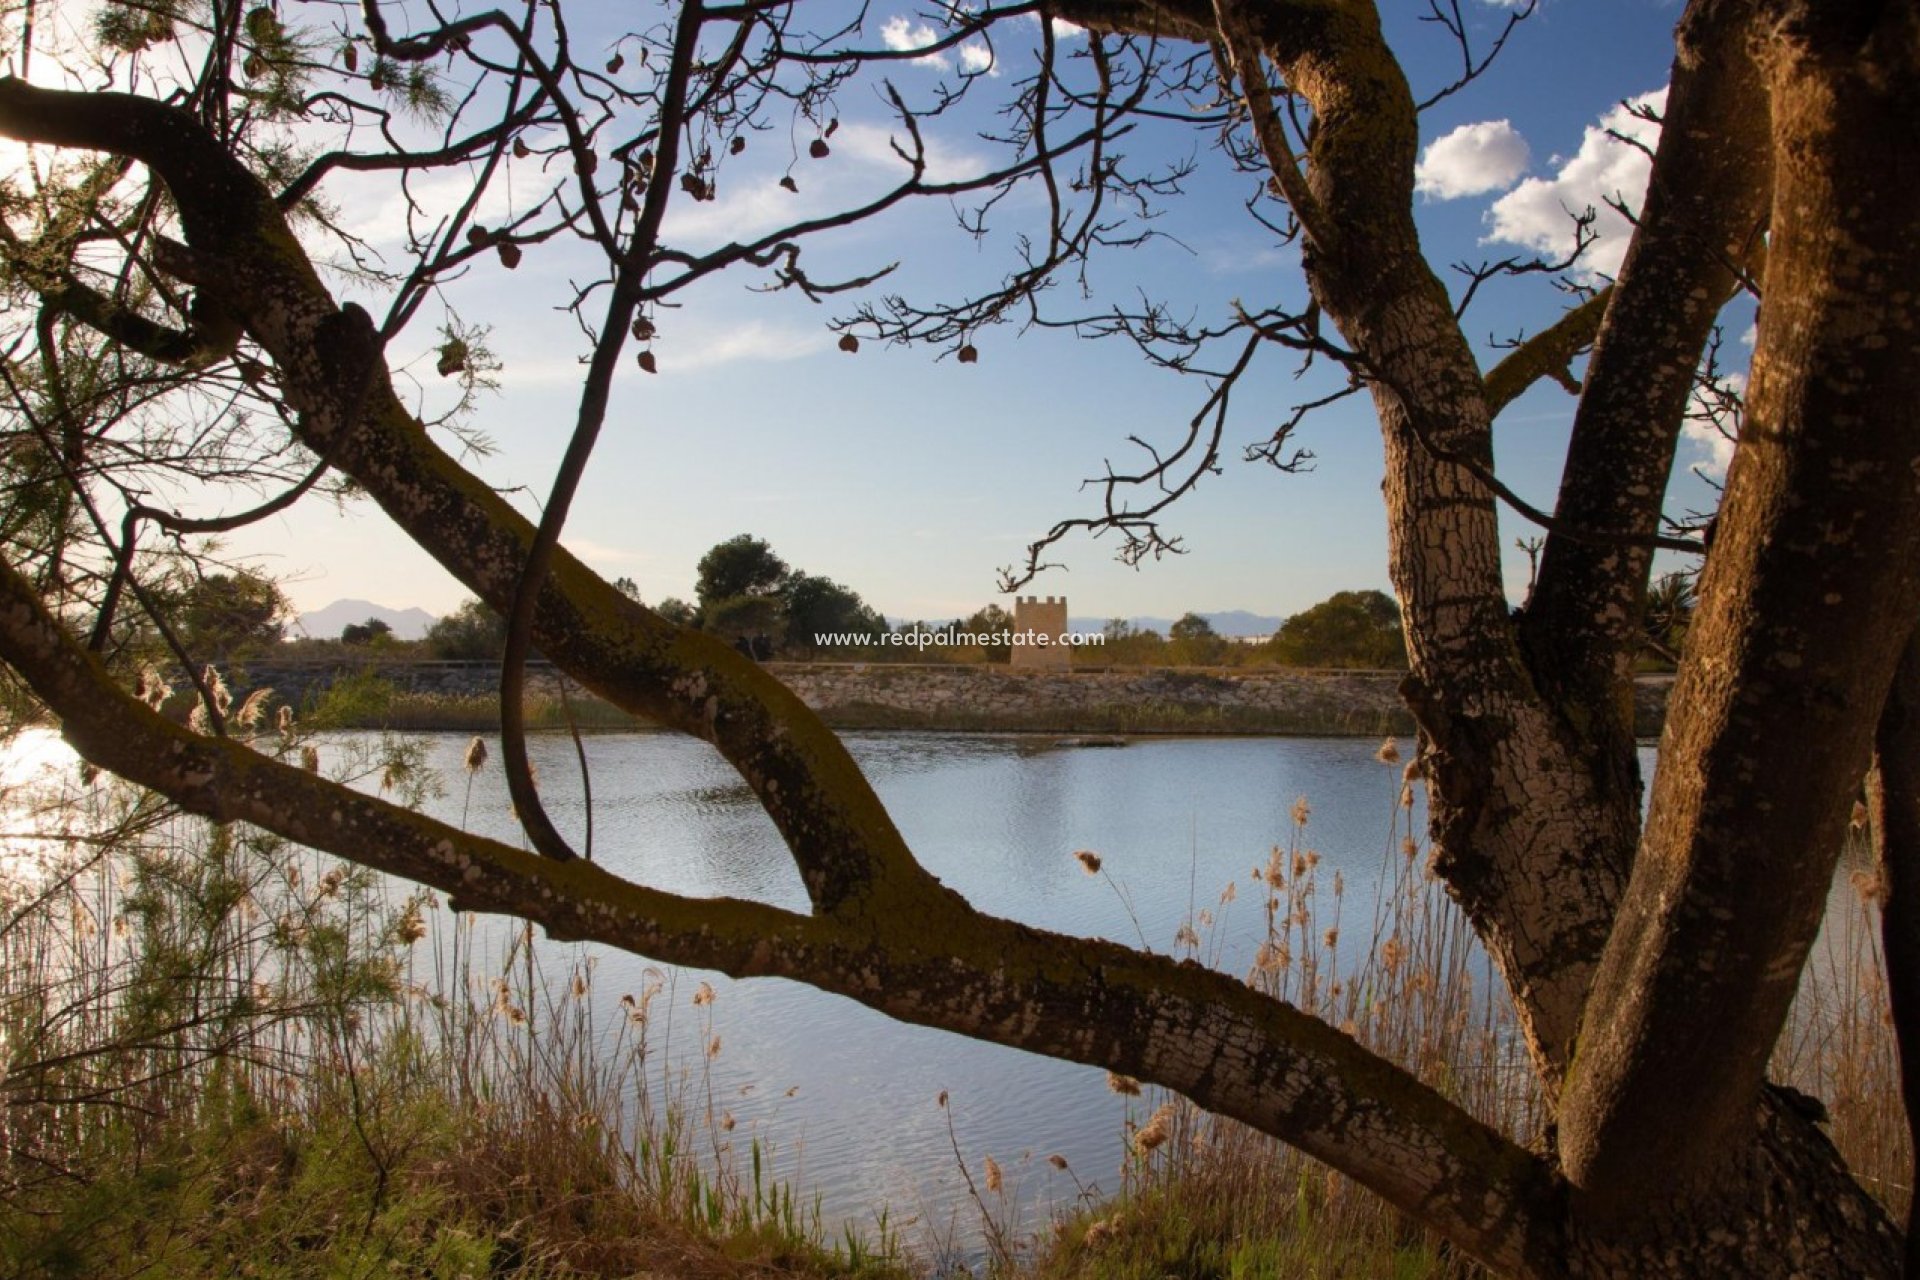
328, 623
1231, 622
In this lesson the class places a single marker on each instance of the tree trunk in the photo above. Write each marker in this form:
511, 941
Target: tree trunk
1895, 801
1794, 645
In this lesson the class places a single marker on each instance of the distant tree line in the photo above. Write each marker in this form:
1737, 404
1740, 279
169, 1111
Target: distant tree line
748, 594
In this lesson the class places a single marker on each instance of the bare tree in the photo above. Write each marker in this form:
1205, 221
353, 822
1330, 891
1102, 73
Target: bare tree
1651, 964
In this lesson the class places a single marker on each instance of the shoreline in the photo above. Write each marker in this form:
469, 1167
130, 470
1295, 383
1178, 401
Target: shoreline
869, 697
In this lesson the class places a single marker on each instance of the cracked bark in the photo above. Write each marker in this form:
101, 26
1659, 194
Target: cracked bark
1791, 648
1894, 798
1704, 208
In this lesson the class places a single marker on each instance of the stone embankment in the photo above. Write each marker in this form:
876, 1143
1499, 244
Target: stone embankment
997, 698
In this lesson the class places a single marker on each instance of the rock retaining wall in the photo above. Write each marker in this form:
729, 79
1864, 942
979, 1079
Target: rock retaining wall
1121, 700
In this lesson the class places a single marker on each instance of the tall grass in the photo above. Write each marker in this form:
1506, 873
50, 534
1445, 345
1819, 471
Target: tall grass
364, 700
222, 1055
1204, 1197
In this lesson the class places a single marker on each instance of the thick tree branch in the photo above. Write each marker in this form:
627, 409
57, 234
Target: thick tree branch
1705, 205
1805, 609
1546, 354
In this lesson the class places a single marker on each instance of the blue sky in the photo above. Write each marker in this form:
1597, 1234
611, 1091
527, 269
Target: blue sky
913, 479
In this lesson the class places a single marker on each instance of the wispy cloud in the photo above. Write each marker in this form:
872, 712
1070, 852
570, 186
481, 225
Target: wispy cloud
875, 145
380, 212
1471, 161
904, 36
862, 165
1611, 165
681, 351
756, 341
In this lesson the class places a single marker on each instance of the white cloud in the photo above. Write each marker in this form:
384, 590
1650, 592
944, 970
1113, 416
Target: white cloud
873, 144
744, 209
1472, 160
976, 57
902, 36
1539, 213
863, 165
380, 213
756, 341
1715, 449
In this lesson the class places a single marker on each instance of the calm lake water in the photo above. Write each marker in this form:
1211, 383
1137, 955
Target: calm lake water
848, 1096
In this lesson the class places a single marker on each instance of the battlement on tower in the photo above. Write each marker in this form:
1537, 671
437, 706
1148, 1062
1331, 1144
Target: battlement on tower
1040, 630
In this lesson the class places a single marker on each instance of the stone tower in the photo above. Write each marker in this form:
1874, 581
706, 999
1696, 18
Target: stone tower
1037, 617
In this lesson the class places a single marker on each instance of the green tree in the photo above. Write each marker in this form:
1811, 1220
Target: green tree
1347, 629
1191, 626
817, 606
1129, 646
741, 566
474, 632
1192, 642
230, 615
752, 624
990, 620
364, 633
1670, 605
677, 611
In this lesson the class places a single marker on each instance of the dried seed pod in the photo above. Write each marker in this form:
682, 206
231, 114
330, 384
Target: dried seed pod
738, 145
614, 64
968, 355
647, 363
477, 236
643, 329
509, 254
819, 150
520, 149
849, 343
350, 57
790, 184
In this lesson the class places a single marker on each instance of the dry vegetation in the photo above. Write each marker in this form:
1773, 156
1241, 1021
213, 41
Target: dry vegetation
227, 1056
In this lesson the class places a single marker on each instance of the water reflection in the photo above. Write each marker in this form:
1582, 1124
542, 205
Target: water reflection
848, 1094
